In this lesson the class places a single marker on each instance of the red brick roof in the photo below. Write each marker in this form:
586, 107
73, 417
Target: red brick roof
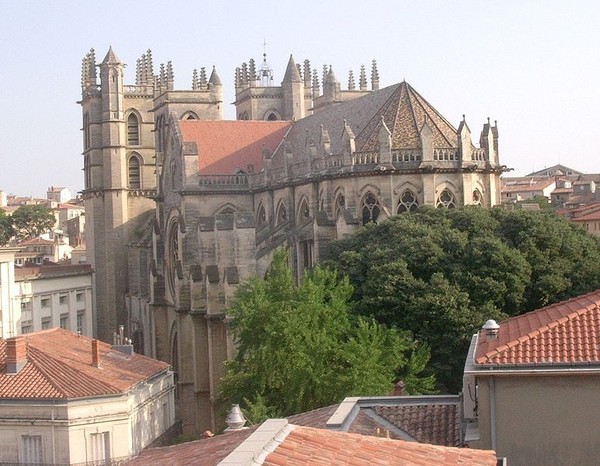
59, 366
225, 146
564, 333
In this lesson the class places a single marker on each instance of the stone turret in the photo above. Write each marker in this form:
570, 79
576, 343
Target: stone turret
293, 92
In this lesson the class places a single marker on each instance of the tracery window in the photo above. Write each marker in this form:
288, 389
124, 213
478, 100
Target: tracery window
281, 213
172, 256
340, 204
261, 215
408, 202
133, 130
446, 199
133, 172
370, 209
304, 210
477, 198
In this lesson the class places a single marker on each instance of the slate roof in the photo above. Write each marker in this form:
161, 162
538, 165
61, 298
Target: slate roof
277, 443
566, 333
226, 146
59, 366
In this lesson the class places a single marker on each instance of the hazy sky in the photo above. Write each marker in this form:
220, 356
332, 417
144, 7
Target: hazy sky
534, 66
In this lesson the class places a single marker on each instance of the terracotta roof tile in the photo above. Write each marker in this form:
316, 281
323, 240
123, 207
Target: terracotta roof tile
226, 146
59, 367
206, 452
309, 446
563, 333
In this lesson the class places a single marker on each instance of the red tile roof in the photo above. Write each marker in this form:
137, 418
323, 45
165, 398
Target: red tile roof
225, 146
564, 333
310, 446
206, 452
59, 366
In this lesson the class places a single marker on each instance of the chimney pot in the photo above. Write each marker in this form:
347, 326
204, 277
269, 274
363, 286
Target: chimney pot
235, 419
491, 328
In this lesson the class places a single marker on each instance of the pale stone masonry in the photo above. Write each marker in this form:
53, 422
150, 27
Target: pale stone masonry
182, 205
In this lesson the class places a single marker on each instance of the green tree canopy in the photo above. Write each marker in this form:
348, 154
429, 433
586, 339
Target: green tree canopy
442, 273
6, 228
30, 221
299, 347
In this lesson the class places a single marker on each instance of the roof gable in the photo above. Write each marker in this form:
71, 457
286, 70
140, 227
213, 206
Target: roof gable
563, 333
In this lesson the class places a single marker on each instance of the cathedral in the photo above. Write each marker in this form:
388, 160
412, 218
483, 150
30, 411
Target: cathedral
182, 204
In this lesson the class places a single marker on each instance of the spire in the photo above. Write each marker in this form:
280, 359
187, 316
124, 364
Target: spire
351, 85
307, 77
266, 72
252, 70
195, 82
170, 76
315, 84
203, 81
244, 74
88, 69
325, 72
291, 72
111, 58
331, 76
214, 79
374, 76
362, 81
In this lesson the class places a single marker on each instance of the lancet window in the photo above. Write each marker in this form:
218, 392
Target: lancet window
370, 209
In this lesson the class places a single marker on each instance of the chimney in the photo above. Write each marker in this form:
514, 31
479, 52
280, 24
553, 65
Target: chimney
235, 420
95, 353
491, 329
399, 389
16, 354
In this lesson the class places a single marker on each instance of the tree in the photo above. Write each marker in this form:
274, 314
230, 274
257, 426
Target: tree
6, 228
300, 348
30, 221
441, 273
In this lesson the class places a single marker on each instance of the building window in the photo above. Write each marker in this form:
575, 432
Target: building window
477, 198
100, 446
304, 210
79, 296
31, 449
281, 213
133, 130
45, 302
408, 202
64, 321
26, 327
370, 209
63, 299
80, 322
261, 215
133, 172
340, 205
446, 199
46, 323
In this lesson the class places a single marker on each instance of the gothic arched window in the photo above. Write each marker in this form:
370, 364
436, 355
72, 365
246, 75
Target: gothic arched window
340, 205
133, 130
86, 131
133, 172
261, 216
446, 199
407, 202
304, 211
477, 198
370, 209
173, 256
281, 213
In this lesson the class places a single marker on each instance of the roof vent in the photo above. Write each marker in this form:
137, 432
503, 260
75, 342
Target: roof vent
491, 328
235, 419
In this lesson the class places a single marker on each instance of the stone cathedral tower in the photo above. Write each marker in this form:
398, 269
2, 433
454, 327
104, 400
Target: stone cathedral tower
121, 164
